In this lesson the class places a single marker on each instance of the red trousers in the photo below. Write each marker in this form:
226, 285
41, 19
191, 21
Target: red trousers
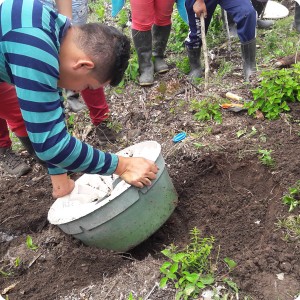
145, 13
10, 114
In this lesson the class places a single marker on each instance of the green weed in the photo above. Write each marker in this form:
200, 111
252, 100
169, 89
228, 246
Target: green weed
206, 110
292, 198
30, 244
191, 270
265, 157
277, 88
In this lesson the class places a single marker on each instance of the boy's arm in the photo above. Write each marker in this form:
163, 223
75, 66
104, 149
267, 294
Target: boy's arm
64, 7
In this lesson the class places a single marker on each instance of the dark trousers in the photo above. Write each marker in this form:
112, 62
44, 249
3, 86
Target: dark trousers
242, 11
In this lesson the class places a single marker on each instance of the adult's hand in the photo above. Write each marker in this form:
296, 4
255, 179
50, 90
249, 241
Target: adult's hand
62, 185
136, 171
199, 8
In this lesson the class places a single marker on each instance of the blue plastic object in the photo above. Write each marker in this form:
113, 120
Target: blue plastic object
179, 137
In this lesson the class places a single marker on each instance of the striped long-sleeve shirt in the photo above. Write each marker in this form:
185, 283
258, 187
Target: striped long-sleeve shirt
30, 37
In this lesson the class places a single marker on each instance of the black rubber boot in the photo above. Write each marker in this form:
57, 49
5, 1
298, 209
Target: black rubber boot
160, 36
249, 58
143, 45
13, 163
297, 17
194, 58
25, 141
260, 8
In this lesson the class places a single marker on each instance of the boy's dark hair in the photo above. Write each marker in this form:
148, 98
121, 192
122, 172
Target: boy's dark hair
108, 48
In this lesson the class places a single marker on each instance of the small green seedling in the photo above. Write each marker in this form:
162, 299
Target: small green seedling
293, 197
266, 158
130, 297
30, 244
17, 261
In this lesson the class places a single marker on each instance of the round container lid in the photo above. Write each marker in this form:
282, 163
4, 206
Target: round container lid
93, 191
275, 10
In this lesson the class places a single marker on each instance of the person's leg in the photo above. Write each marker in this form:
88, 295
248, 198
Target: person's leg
10, 111
244, 15
193, 41
142, 13
161, 32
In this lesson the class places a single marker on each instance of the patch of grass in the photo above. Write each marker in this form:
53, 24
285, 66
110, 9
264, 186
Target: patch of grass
98, 9
274, 42
226, 67
191, 270
291, 227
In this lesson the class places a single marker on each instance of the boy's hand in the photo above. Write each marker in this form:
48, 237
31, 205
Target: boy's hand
136, 171
62, 185
200, 8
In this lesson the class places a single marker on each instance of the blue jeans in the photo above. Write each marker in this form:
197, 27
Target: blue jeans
242, 11
79, 10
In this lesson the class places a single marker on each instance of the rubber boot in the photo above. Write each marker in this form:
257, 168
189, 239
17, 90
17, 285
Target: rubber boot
143, 45
260, 8
25, 141
194, 58
160, 36
297, 17
249, 58
74, 104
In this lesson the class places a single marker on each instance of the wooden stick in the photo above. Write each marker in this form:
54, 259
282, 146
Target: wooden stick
204, 46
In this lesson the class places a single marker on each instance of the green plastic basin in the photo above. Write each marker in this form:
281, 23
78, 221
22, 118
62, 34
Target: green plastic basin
122, 222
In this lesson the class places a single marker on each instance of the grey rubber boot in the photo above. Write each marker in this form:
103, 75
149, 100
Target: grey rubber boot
194, 58
260, 6
25, 141
249, 58
13, 163
143, 45
160, 35
74, 104
297, 17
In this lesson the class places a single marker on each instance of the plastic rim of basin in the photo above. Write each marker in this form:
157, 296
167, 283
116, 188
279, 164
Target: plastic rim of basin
106, 212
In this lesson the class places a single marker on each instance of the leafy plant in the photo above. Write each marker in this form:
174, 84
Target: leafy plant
30, 244
183, 65
265, 157
277, 88
178, 34
190, 270
132, 72
206, 110
292, 198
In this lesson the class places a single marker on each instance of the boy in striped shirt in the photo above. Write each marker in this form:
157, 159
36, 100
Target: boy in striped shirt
40, 53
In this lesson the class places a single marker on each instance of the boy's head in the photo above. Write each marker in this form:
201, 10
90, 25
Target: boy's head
95, 54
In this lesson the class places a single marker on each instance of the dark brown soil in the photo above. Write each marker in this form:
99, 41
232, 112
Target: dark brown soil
223, 189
